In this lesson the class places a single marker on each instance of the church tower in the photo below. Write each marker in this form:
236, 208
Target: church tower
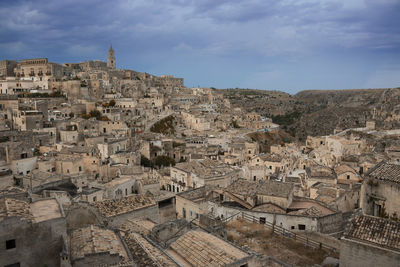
111, 58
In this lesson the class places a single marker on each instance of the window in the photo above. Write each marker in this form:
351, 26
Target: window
10, 244
94, 199
126, 191
348, 177
80, 168
302, 227
184, 213
254, 178
262, 220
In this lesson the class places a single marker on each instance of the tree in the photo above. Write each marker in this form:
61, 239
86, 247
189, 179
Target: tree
146, 162
95, 114
164, 161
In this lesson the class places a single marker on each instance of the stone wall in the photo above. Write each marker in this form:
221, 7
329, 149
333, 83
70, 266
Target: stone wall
330, 223
357, 254
37, 244
150, 213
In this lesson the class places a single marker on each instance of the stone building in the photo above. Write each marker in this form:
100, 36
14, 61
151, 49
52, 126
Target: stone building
370, 241
190, 204
346, 175
95, 246
7, 68
118, 211
111, 58
40, 71
380, 191
198, 248
31, 234
198, 173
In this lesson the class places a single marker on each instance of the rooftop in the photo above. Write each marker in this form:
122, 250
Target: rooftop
44, 210
320, 172
39, 211
195, 194
202, 249
92, 240
385, 172
205, 168
265, 187
10, 207
271, 157
343, 169
145, 254
374, 230
115, 207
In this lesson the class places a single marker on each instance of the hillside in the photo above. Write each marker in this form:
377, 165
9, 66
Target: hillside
319, 112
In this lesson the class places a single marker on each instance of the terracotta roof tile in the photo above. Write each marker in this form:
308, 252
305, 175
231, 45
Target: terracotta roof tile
374, 230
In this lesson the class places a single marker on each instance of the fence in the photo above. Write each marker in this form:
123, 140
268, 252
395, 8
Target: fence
289, 234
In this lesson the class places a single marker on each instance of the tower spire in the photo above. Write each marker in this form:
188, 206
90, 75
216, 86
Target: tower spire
111, 58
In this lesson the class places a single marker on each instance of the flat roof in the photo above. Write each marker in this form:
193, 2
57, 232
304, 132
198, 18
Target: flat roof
44, 210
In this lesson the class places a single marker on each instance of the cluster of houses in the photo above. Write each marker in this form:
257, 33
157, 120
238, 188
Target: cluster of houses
108, 167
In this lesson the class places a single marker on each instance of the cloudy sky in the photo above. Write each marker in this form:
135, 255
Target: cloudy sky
288, 45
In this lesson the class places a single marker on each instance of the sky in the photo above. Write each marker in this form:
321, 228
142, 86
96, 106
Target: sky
288, 45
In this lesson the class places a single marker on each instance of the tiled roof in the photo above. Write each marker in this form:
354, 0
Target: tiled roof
145, 254
271, 157
385, 172
374, 230
196, 194
10, 207
266, 187
93, 239
311, 211
115, 207
343, 169
320, 172
274, 188
203, 249
205, 168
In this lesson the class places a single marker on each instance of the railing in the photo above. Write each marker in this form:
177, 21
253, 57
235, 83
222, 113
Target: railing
289, 234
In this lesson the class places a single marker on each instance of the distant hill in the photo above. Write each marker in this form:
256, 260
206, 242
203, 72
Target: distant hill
319, 112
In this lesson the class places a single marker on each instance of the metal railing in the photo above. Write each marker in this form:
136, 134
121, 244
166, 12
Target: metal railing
289, 234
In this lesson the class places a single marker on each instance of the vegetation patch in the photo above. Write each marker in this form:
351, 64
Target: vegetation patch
287, 119
164, 126
159, 161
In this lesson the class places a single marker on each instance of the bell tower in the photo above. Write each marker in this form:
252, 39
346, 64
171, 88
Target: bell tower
111, 58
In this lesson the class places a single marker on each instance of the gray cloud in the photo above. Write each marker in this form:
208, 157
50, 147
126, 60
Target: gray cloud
208, 31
